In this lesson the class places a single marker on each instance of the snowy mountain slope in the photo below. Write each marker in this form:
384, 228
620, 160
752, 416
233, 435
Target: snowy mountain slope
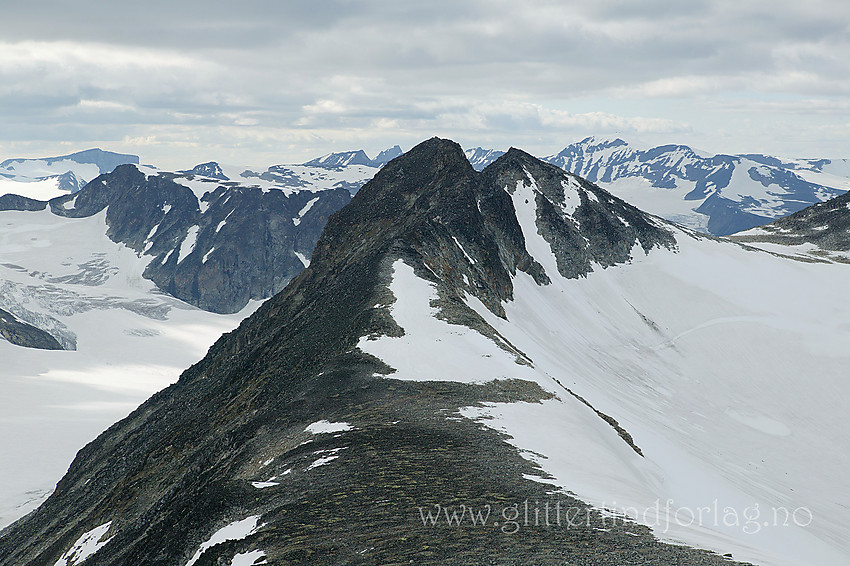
480, 158
50, 177
326, 425
123, 340
732, 404
350, 177
732, 395
286, 177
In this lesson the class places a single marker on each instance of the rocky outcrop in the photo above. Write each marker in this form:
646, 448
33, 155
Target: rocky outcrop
17, 202
211, 169
22, 334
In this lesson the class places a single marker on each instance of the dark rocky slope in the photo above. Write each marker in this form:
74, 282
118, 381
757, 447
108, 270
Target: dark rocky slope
180, 467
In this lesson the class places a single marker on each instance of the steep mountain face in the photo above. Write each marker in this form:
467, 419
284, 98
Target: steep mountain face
49, 177
502, 343
216, 246
820, 232
386, 156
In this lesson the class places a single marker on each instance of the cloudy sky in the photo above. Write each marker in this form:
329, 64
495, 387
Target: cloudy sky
278, 81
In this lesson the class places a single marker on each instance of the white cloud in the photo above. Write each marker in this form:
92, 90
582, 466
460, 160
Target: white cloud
38, 54
96, 105
289, 73
325, 107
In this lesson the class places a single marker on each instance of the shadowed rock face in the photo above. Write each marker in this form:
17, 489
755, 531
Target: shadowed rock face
22, 334
180, 467
235, 244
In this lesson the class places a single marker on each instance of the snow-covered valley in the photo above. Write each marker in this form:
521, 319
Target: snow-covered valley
125, 341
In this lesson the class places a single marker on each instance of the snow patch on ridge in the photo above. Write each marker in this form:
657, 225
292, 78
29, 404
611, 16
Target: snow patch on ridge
188, 243
236, 530
332, 455
327, 427
432, 349
251, 558
302, 258
305, 210
525, 204
468, 257
85, 546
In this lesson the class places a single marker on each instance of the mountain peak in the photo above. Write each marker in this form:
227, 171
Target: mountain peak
338, 160
173, 472
387, 155
209, 169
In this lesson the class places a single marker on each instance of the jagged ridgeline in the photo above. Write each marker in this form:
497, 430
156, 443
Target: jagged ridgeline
288, 444
217, 249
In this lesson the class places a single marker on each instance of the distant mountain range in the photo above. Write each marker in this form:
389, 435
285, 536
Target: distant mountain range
50, 177
217, 236
358, 157
716, 194
214, 235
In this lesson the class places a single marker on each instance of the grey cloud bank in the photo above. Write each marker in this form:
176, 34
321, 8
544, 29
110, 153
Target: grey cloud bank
262, 82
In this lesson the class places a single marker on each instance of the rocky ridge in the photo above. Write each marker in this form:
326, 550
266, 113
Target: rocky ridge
231, 442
